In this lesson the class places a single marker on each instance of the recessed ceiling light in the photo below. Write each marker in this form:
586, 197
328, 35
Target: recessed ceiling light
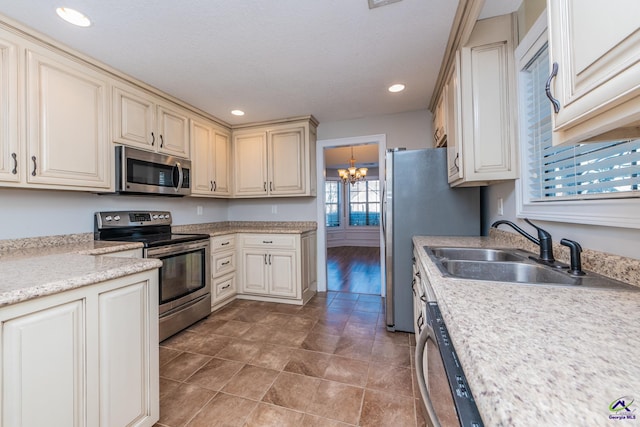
396, 88
74, 17
237, 112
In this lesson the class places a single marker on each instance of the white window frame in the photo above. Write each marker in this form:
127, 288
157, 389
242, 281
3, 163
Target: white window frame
620, 212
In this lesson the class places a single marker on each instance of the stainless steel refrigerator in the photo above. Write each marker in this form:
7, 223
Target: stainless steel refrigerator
419, 202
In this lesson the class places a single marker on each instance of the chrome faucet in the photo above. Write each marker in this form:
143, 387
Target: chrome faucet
544, 240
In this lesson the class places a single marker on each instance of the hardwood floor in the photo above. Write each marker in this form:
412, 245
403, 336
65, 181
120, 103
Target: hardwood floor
353, 269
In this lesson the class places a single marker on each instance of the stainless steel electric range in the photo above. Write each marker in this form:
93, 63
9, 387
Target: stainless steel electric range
185, 287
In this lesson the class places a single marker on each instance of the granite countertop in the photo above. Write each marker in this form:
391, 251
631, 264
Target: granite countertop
39, 266
228, 227
540, 355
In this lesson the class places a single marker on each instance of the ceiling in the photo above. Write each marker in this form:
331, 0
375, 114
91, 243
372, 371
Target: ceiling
334, 59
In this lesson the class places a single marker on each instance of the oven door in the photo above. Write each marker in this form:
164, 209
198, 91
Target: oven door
184, 275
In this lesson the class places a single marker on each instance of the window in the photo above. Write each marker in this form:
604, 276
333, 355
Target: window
591, 183
364, 203
332, 203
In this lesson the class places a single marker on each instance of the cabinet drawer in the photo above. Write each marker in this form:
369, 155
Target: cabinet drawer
223, 262
287, 241
228, 241
223, 287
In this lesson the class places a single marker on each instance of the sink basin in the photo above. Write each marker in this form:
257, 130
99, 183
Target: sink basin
479, 254
518, 272
512, 266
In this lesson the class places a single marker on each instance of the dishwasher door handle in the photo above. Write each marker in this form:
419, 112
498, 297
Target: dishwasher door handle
426, 335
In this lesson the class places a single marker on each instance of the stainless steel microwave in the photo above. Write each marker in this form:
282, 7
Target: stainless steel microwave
142, 172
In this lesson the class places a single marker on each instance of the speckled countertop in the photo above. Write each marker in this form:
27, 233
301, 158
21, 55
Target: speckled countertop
39, 266
227, 227
541, 355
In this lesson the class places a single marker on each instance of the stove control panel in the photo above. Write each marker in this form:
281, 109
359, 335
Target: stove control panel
118, 219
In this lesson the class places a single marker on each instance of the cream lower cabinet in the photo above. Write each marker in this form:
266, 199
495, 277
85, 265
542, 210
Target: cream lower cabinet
86, 357
277, 160
211, 158
483, 148
596, 46
223, 270
277, 267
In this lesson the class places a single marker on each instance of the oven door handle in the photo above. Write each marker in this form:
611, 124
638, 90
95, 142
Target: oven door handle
426, 335
180, 177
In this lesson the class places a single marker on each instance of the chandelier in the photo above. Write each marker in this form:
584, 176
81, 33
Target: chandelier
352, 174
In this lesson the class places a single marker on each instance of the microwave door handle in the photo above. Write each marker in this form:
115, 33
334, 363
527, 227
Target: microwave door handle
180, 177
426, 335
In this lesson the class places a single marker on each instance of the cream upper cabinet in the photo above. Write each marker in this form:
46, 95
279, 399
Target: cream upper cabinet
596, 46
67, 133
147, 122
486, 145
276, 160
10, 153
454, 158
211, 157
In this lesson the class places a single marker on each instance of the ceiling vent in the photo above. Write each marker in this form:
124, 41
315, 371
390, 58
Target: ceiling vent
378, 3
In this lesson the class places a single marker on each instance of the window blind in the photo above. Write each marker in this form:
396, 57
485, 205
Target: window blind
607, 169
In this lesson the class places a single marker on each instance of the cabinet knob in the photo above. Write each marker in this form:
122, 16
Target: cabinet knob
15, 163
547, 88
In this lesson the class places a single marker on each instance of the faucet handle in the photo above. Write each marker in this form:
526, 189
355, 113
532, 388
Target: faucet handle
576, 263
546, 243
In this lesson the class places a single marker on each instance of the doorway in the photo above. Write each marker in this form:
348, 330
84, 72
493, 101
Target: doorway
350, 238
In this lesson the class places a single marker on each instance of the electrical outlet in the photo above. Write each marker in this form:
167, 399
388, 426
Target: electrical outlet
199, 210
500, 206
274, 209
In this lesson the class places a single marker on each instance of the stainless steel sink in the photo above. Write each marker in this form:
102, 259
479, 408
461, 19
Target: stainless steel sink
507, 272
512, 266
479, 254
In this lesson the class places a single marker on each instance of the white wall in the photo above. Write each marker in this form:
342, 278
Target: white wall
614, 240
412, 130
32, 213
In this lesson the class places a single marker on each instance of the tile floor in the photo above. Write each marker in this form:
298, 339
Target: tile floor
329, 363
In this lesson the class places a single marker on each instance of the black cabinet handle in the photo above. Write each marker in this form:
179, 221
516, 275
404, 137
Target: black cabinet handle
270, 186
269, 259
224, 287
35, 166
211, 183
215, 186
547, 88
265, 259
153, 139
224, 243
15, 163
264, 185
161, 141
423, 298
225, 263
267, 241
455, 161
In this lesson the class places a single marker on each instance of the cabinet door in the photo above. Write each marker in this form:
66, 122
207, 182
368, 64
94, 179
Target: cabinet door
10, 154
44, 371
597, 47
283, 274
287, 154
254, 272
454, 154
127, 361
487, 88
221, 161
202, 162
67, 123
173, 131
250, 164
133, 118
222, 288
